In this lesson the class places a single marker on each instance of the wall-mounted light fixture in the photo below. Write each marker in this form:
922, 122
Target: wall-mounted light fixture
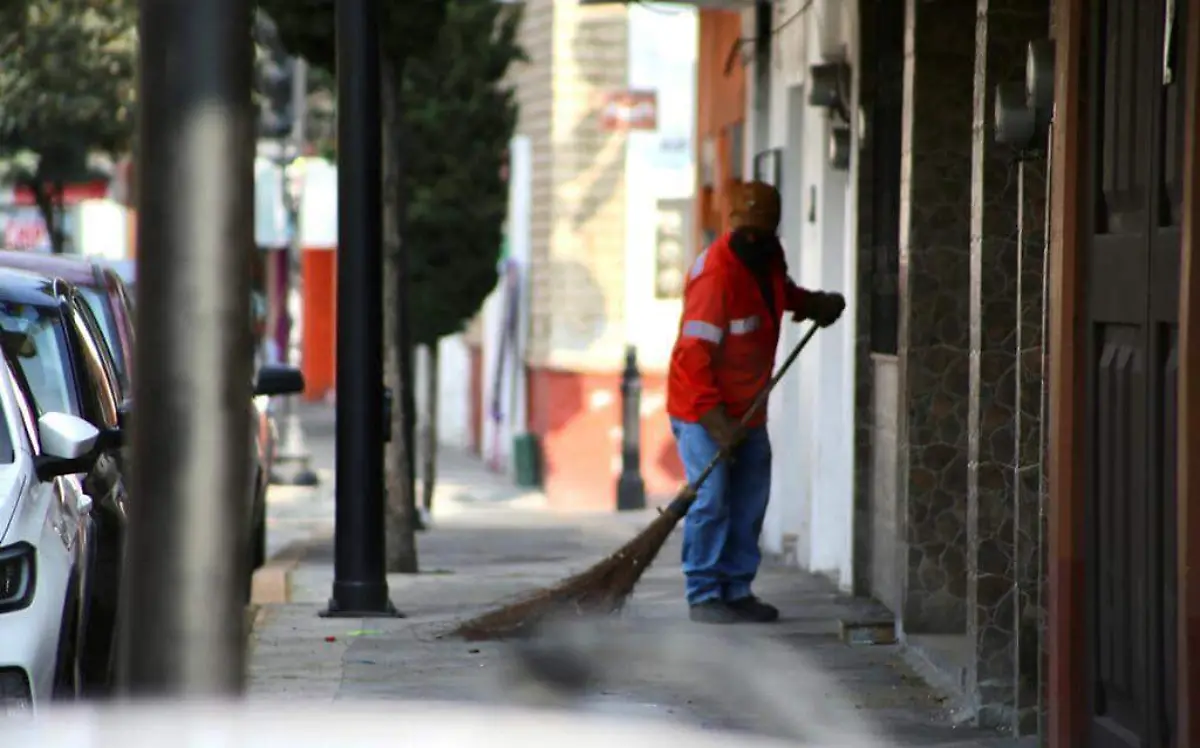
829, 86
839, 146
1039, 81
1016, 123
1024, 110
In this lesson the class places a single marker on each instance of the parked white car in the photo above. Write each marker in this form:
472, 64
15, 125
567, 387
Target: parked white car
45, 548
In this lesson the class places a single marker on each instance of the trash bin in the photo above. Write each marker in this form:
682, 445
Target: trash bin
527, 460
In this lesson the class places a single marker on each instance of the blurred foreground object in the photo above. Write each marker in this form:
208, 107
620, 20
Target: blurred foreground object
182, 608
321, 725
733, 676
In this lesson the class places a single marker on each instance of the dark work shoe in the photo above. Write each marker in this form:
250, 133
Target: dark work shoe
754, 610
713, 611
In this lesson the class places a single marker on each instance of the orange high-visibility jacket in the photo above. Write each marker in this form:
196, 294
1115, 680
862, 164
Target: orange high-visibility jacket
725, 351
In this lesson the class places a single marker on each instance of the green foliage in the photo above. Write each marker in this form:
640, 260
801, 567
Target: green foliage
459, 119
407, 27
67, 90
307, 29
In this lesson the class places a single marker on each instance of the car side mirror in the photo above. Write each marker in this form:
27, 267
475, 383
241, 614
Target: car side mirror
110, 438
278, 379
68, 445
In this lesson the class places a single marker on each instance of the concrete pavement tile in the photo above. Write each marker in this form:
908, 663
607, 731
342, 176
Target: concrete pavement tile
487, 546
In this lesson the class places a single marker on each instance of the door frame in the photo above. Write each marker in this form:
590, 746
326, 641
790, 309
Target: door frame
1066, 454
1188, 524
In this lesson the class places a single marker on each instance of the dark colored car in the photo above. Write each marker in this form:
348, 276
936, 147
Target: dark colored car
64, 363
106, 294
270, 380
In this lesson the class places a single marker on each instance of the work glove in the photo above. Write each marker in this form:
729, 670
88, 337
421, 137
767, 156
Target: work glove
825, 307
721, 428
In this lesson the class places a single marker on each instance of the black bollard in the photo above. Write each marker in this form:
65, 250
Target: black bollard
631, 489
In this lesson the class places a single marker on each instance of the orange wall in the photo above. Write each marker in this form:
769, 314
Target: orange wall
720, 103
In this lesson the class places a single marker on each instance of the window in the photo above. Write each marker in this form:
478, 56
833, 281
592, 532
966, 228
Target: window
101, 379
672, 247
8, 452
101, 307
25, 403
34, 336
708, 162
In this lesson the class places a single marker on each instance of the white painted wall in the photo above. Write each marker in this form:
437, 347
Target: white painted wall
658, 165
811, 414
510, 419
103, 230
454, 390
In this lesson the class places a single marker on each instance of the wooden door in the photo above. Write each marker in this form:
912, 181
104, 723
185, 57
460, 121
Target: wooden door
1132, 268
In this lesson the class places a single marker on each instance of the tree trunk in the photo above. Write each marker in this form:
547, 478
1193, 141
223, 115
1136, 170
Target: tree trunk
429, 479
50, 205
408, 377
401, 515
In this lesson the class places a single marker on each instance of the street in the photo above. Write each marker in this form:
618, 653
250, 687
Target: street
269, 270
490, 541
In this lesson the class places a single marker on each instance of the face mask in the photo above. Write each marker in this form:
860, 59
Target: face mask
753, 248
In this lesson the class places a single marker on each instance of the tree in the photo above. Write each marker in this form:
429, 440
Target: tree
67, 94
407, 31
460, 119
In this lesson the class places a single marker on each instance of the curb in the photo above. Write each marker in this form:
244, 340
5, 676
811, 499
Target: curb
252, 614
272, 582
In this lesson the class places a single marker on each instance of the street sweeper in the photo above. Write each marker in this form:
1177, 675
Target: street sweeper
733, 305
717, 391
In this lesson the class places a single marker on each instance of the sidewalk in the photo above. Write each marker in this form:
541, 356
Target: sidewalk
490, 541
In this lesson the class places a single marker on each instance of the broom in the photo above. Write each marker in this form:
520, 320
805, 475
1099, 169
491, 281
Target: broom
604, 588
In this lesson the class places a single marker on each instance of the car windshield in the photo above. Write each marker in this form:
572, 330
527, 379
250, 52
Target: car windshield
97, 300
34, 337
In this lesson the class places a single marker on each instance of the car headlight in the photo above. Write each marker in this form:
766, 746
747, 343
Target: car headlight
18, 575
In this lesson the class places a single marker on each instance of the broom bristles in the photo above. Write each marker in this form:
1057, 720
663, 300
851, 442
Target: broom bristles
599, 590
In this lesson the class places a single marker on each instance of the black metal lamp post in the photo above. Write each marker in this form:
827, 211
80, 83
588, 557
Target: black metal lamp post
360, 586
631, 489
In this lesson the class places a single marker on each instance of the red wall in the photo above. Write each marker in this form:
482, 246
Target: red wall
476, 407
318, 347
579, 431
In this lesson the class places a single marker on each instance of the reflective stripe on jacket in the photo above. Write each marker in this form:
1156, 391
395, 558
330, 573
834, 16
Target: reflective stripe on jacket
725, 351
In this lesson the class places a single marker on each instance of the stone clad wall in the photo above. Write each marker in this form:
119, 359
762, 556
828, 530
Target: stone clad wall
935, 240
965, 407
998, 332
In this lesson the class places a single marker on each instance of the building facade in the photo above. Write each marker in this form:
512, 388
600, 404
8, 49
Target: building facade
602, 186
995, 441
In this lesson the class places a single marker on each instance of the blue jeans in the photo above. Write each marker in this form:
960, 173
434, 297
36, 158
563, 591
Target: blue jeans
720, 533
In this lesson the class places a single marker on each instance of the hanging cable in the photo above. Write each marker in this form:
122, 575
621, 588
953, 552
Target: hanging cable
735, 50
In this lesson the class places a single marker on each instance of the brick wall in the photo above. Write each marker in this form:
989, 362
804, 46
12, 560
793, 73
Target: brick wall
579, 298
